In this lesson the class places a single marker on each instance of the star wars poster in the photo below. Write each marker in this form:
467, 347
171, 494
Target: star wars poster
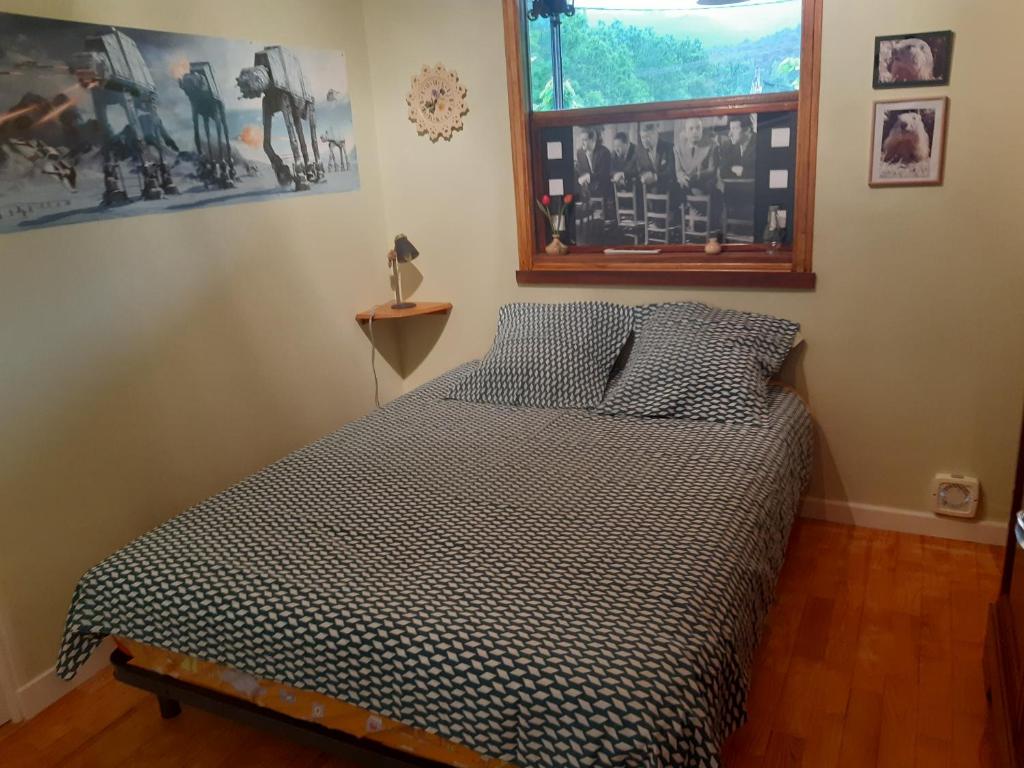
98, 122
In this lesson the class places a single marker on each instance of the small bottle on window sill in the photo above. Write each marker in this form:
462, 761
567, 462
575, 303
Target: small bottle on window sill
556, 247
713, 246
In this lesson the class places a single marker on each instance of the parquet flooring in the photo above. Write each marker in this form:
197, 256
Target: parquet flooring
872, 654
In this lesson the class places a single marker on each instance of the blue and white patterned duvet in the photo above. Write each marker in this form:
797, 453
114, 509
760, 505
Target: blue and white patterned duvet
547, 587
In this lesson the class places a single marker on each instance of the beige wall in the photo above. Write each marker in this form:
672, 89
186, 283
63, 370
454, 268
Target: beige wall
915, 334
149, 362
152, 361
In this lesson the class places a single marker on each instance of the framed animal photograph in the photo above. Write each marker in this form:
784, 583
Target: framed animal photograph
907, 61
908, 142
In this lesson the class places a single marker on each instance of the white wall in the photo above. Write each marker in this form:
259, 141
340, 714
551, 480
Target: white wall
150, 362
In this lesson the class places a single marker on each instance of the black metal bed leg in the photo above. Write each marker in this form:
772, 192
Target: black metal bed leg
168, 707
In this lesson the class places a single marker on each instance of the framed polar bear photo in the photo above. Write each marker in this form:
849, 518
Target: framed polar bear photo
908, 143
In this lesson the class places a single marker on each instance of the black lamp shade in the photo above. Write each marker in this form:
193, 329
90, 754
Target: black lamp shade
404, 250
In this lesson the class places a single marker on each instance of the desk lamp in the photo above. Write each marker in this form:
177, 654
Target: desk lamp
403, 252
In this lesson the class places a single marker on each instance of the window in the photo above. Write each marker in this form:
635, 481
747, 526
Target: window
669, 121
616, 52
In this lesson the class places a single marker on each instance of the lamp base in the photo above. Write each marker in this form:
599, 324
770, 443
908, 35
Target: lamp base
403, 305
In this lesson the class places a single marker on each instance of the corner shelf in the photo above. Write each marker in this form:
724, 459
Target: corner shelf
385, 312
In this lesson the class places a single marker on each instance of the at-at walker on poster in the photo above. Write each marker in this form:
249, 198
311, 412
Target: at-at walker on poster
99, 121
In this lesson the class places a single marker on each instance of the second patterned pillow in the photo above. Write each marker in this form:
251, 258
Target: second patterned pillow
692, 361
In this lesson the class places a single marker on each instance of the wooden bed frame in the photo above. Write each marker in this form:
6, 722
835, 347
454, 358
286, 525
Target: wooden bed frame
172, 693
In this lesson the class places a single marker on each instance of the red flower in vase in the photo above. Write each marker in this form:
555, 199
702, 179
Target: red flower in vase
556, 221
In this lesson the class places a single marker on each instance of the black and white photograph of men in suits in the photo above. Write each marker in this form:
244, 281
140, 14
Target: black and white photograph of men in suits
659, 191
624, 157
625, 221
665, 182
696, 161
736, 171
738, 154
593, 165
604, 165
655, 162
592, 183
696, 157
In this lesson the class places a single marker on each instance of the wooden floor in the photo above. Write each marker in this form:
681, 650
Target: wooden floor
871, 656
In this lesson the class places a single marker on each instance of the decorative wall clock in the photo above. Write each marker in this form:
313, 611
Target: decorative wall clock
437, 102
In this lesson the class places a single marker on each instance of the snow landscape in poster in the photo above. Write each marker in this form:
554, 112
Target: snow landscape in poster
98, 122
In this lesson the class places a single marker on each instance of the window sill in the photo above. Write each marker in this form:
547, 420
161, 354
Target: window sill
709, 278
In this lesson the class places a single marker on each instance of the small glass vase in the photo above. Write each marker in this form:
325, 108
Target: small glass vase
774, 231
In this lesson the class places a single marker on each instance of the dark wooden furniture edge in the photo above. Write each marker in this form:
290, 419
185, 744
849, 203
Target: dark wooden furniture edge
1002, 668
710, 278
172, 693
998, 675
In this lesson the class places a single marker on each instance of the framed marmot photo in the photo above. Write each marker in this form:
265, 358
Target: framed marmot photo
908, 142
909, 61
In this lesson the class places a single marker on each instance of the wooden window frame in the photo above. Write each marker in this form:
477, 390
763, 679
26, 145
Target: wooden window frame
738, 265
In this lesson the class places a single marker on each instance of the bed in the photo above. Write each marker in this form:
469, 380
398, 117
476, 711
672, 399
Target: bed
480, 584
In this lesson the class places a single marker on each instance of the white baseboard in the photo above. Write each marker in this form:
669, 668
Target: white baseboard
904, 521
10, 704
39, 693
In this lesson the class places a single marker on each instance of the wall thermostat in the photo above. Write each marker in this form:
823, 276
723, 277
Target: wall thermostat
955, 495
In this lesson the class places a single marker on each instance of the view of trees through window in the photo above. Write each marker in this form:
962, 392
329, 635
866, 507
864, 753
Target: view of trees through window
618, 52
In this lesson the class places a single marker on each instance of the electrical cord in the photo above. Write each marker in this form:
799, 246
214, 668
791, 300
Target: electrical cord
373, 360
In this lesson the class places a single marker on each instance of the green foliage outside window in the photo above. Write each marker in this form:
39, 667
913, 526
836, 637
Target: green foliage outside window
609, 64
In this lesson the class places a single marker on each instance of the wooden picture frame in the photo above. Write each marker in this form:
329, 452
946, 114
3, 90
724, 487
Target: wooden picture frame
737, 265
914, 60
900, 129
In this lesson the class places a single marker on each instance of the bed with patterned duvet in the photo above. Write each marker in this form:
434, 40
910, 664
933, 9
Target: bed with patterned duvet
543, 586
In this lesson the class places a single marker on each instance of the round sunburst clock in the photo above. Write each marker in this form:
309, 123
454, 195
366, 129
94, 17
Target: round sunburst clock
437, 102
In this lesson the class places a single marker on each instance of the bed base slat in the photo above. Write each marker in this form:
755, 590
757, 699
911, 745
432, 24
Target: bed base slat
172, 693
